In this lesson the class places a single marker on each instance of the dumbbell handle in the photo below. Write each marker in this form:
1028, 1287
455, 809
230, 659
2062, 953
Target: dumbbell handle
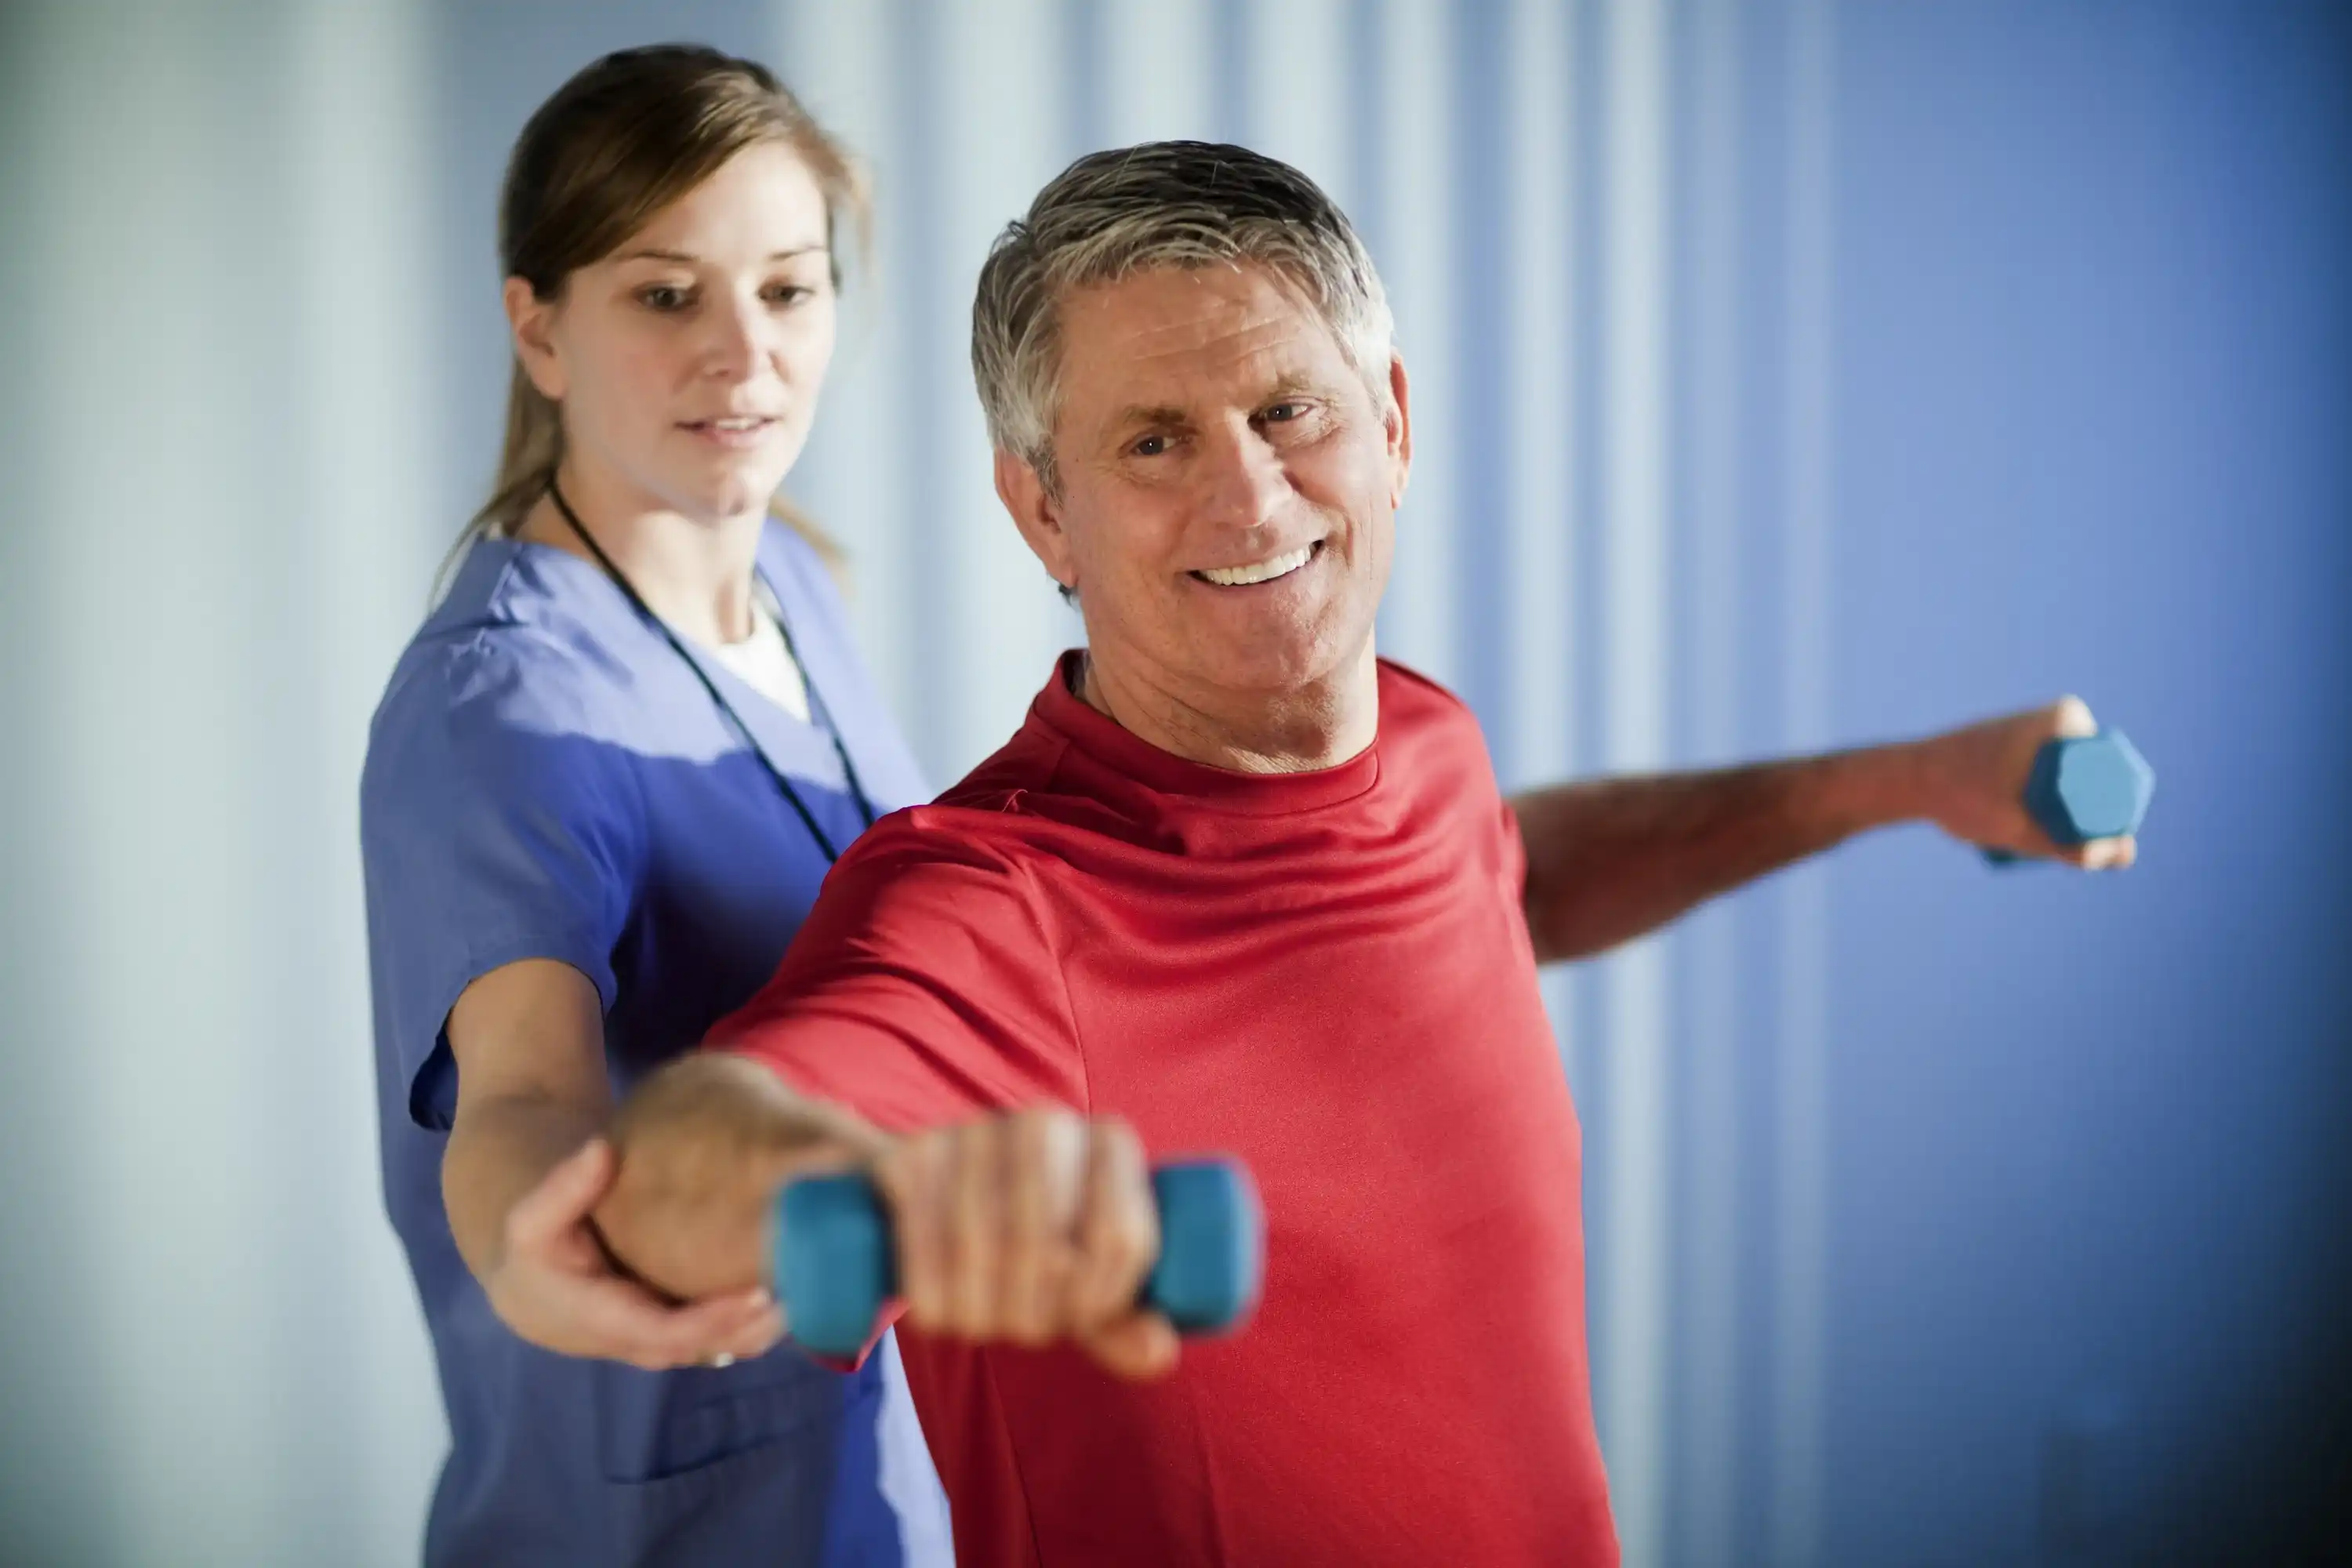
835, 1261
2083, 787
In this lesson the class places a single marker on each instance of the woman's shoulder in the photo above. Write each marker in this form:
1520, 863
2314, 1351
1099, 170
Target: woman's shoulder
496, 738
516, 640
489, 679
502, 680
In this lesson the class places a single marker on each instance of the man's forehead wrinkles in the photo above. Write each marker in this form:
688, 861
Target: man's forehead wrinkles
1169, 350
1271, 346
1207, 333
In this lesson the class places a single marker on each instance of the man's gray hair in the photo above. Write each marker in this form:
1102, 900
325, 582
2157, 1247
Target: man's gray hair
1112, 214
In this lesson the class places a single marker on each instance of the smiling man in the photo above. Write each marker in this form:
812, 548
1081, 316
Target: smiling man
1237, 884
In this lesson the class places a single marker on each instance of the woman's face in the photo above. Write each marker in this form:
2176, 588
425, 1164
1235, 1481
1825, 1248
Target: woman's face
688, 363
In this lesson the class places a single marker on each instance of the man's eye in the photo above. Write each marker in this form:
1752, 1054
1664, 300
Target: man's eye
1149, 447
1283, 413
662, 297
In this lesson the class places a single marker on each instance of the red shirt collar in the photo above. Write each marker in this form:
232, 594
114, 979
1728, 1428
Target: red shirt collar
1059, 709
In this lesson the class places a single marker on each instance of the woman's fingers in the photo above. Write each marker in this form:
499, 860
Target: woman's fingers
618, 1320
761, 1331
556, 1288
560, 1203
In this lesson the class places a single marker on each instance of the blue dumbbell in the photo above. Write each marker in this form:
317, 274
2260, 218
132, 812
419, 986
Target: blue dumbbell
837, 1264
2084, 787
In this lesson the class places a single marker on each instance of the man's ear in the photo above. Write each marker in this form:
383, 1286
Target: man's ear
530, 319
1038, 516
1399, 423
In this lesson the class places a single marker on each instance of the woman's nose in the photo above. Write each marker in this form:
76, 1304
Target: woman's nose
737, 339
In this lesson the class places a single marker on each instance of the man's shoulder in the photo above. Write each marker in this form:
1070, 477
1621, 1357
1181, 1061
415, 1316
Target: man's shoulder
930, 886
981, 826
1431, 746
1016, 812
1415, 707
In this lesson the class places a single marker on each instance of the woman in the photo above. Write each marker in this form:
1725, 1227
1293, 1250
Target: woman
601, 791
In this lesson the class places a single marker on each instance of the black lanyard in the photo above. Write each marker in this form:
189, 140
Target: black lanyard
817, 705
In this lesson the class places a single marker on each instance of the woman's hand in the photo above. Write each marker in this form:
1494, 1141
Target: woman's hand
525, 1167
703, 1147
554, 1285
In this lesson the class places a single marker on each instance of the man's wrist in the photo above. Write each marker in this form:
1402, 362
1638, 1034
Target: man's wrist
1877, 786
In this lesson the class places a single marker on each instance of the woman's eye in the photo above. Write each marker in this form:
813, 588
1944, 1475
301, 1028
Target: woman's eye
789, 294
662, 297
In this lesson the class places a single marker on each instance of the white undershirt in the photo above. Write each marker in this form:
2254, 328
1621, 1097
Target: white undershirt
763, 661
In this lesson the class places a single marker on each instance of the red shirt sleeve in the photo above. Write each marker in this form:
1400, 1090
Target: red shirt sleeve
923, 988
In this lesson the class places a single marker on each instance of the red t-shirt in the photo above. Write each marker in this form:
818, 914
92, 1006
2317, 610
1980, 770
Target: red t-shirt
1326, 974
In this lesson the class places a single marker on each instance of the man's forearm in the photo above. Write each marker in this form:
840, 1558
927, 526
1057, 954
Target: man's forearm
1610, 859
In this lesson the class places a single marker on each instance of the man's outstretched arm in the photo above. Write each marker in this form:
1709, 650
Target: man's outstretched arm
1612, 860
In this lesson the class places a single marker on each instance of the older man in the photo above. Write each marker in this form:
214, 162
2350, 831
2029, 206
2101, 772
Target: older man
1247, 888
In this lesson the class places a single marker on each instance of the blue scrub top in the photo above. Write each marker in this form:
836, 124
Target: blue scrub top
547, 779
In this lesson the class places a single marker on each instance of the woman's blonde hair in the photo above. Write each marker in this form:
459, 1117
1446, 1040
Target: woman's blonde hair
618, 142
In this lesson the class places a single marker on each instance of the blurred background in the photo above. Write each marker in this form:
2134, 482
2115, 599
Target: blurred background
1787, 375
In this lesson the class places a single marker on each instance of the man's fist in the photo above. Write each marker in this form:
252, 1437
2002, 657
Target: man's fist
1034, 1228
1975, 781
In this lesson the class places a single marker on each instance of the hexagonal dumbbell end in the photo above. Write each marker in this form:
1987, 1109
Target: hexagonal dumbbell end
2090, 786
2084, 787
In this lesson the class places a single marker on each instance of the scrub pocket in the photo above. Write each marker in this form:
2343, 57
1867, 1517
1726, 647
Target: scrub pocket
763, 1504
700, 1458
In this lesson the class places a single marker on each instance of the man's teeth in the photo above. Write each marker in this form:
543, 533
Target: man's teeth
1263, 572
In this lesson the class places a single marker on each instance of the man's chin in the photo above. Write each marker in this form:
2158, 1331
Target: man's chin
1282, 671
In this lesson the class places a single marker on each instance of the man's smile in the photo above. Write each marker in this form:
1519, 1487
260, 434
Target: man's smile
1262, 571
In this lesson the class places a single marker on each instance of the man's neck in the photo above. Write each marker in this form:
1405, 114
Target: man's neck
695, 575
1319, 725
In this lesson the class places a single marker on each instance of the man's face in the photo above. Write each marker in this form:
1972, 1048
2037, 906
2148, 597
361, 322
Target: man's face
1228, 484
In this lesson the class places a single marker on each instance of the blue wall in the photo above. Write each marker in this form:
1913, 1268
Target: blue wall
2094, 374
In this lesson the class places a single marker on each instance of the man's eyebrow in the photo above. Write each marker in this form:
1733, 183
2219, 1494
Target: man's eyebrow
654, 253
1136, 413
1290, 384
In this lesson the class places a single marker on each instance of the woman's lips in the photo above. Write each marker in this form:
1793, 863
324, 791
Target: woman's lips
732, 433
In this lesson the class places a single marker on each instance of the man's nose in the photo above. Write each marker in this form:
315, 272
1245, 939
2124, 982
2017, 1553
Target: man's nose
1244, 481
